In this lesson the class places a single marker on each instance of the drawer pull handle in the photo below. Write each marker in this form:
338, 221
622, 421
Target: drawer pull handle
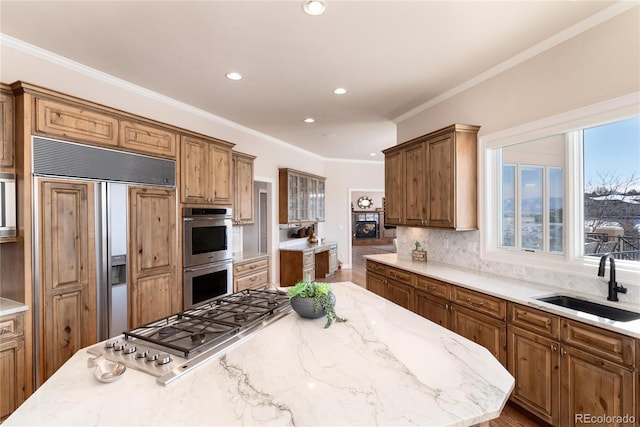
432, 288
252, 267
4, 330
553, 347
475, 304
562, 351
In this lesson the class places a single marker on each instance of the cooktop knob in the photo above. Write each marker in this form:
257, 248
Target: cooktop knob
142, 354
129, 349
163, 359
152, 356
119, 346
110, 343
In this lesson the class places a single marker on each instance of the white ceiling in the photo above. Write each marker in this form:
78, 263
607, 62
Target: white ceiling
392, 56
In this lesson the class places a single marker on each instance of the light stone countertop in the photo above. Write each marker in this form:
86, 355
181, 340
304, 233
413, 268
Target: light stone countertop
8, 306
384, 366
515, 290
241, 257
303, 245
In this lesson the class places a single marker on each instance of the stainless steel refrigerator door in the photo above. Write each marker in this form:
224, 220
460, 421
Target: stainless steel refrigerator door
118, 198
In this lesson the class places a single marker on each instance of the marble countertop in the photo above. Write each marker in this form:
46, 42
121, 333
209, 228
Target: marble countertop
305, 245
514, 290
384, 366
248, 256
8, 306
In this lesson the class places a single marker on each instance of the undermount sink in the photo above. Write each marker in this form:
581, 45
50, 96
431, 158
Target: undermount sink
612, 313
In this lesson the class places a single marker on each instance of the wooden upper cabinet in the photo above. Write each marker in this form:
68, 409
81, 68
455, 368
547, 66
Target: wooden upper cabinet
431, 180
301, 197
75, 123
415, 203
205, 172
243, 200
7, 144
143, 138
394, 188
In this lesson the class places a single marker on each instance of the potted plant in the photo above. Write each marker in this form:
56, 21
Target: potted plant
313, 300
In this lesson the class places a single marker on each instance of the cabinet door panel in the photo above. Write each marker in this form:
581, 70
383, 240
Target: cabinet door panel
376, 284
6, 134
194, 162
400, 294
534, 362
67, 260
432, 308
153, 292
486, 331
393, 188
12, 373
243, 189
147, 139
221, 175
591, 385
440, 182
415, 182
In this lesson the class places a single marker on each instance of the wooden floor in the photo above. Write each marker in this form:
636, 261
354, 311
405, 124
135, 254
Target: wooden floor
511, 416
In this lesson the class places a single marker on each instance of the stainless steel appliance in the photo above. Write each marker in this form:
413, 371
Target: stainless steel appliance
175, 345
207, 235
208, 257
7, 205
111, 172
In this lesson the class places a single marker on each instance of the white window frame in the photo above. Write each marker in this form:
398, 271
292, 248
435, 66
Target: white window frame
572, 260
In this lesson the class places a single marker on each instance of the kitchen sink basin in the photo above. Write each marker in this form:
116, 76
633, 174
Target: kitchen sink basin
600, 310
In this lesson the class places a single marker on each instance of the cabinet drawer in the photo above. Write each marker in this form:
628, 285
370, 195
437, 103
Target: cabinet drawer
75, 123
482, 303
375, 267
433, 287
11, 327
606, 344
399, 275
535, 320
308, 258
248, 268
147, 139
261, 278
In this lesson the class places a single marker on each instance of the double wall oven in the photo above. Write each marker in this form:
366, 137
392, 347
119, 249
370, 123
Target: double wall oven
208, 255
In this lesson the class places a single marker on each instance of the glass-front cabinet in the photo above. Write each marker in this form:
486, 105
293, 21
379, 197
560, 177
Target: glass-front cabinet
301, 197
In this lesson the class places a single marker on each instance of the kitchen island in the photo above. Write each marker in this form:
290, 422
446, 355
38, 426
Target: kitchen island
384, 366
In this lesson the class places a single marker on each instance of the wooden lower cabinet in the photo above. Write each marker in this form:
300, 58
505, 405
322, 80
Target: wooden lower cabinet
433, 308
12, 364
400, 294
253, 274
484, 330
376, 284
592, 386
534, 361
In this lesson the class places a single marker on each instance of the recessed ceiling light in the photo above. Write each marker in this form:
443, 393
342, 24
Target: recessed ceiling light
309, 120
234, 76
340, 91
313, 7
372, 154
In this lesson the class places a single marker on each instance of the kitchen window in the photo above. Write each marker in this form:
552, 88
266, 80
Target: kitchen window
565, 190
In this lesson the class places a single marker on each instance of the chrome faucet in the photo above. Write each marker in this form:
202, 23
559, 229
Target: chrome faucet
613, 286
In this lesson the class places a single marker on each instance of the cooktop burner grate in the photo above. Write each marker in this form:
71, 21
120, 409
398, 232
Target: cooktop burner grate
212, 323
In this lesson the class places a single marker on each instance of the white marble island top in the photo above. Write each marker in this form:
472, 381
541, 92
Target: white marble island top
384, 366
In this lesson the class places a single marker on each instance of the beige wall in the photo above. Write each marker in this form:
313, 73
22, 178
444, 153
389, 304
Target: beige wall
597, 65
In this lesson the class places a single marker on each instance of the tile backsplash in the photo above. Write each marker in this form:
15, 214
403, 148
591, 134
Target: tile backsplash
462, 249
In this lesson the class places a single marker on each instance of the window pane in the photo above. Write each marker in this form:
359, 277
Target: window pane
508, 223
612, 189
531, 214
556, 209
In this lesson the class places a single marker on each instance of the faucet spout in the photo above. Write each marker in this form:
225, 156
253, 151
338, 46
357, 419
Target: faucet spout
613, 285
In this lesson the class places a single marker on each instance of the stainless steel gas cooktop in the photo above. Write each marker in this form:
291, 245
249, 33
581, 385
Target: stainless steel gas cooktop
172, 346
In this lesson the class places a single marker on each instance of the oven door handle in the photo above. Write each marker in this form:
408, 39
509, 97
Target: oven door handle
206, 267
